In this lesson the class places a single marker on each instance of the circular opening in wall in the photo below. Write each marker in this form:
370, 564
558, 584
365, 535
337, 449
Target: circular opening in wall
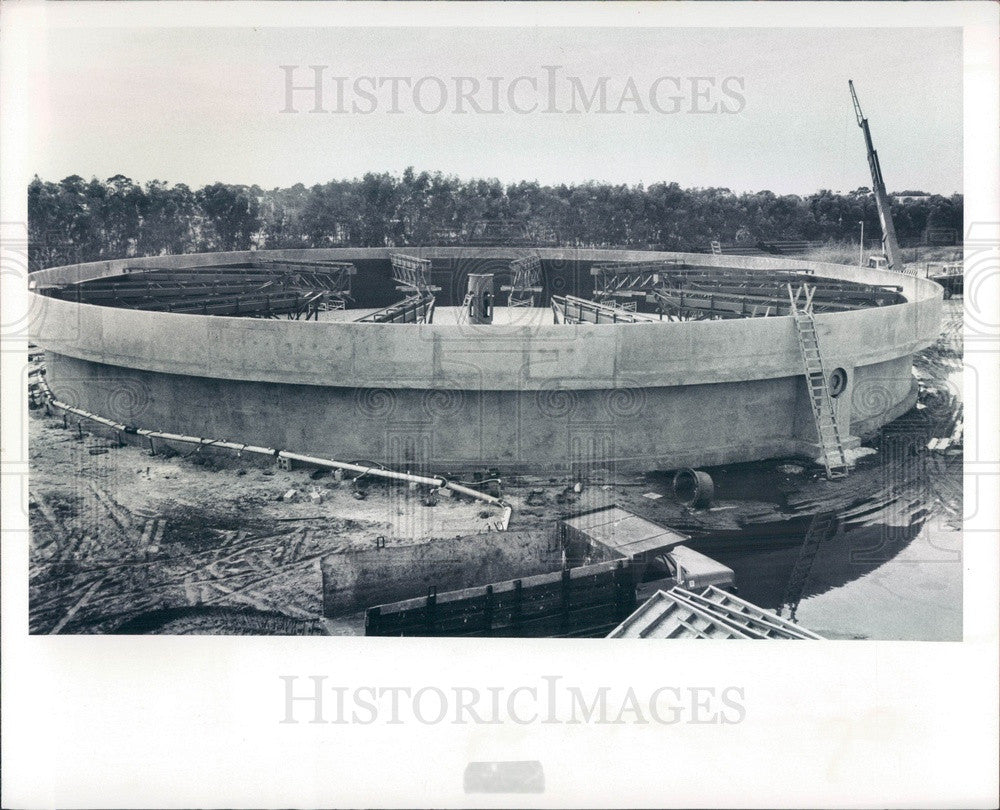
838, 382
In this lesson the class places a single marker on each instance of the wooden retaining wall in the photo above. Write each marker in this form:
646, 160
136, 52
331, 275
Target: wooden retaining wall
587, 601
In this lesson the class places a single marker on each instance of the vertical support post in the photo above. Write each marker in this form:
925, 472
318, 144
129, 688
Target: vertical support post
515, 619
488, 611
564, 602
624, 601
430, 619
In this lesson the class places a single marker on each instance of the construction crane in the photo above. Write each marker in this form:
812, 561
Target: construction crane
890, 245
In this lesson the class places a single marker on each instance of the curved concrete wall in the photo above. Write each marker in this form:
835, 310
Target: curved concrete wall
628, 395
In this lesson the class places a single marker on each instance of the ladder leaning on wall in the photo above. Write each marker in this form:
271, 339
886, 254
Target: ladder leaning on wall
824, 414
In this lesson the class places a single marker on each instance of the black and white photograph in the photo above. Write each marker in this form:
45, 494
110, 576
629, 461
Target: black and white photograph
439, 333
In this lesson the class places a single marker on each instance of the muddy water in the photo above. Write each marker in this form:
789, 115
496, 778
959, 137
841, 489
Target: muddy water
899, 577
891, 565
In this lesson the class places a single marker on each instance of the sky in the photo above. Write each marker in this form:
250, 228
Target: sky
745, 109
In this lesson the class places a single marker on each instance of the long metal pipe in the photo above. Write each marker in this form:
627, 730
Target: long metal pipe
343, 465
240, 448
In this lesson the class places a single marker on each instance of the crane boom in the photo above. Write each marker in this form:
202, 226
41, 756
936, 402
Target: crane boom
857, 104
890, 244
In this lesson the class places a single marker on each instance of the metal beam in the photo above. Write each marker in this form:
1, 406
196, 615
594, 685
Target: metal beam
526, 276
415, 309
411, 272
570, 309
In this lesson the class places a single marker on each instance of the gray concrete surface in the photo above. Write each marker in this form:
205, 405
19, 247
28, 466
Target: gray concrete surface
528, 395
377, 576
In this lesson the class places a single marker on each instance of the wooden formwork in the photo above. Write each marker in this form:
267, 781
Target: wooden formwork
586, 601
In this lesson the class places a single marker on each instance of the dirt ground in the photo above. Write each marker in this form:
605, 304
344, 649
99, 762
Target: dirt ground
124, 541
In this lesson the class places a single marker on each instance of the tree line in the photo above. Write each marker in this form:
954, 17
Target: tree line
80, 220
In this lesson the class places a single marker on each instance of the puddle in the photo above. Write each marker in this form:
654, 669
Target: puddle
892, 569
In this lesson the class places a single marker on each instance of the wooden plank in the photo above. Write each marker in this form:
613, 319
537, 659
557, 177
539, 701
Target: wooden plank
609, 604
501, 590
76, 607
505, 608
545, 620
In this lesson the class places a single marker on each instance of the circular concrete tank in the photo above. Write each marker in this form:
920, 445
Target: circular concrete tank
520, 393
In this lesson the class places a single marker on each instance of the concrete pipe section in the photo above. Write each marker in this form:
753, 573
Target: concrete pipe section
694, 488
508, 388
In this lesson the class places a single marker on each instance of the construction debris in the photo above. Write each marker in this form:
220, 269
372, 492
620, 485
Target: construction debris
694, 488
712, 613
791, 469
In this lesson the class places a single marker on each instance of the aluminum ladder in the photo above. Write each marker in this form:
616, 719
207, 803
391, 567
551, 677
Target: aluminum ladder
750, 618
824, 414
822, 526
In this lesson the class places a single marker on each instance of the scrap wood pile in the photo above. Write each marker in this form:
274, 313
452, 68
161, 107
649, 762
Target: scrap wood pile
96, 565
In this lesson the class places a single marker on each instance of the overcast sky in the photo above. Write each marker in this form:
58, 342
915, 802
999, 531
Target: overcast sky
197, 106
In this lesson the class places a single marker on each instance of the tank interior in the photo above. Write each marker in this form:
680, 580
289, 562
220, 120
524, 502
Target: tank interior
409, 290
